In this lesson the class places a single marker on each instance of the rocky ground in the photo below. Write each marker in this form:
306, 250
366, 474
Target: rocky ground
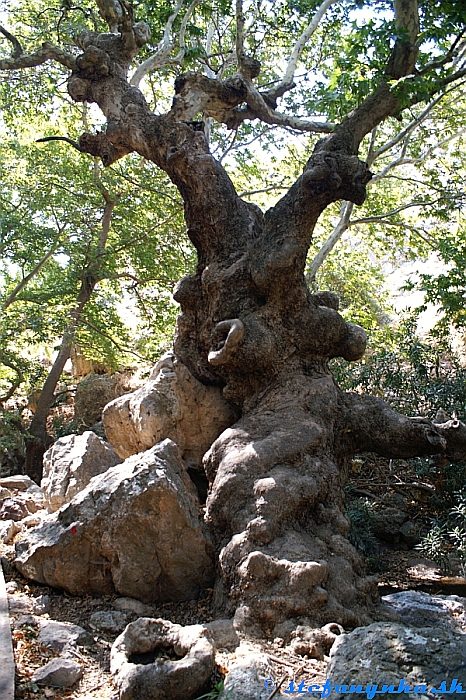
391, 504
97, 616
375, 484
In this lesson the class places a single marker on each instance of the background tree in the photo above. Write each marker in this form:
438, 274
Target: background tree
248, 322
68, 253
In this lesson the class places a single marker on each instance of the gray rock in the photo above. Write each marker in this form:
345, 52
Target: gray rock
34, 519
112, 621
314, 643
41, 605
387, 653
419, 609
25, 621
8, 530
71, 463
20, 482
11, 586
19, 603
12, 509
410, 534
223, 634
134, 530
93, 393
140, 671
59, 673
386, 523
131, 605
396, 500
61, 635
171, 404
246, 675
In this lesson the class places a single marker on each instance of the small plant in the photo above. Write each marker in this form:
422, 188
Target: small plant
435, 545
215, 692
360, 534
448, 539
12, 445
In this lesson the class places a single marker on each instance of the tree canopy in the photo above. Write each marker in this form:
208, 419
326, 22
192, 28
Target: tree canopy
318, 61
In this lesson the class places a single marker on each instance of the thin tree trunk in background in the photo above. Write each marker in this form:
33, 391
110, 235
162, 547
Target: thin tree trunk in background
39, 440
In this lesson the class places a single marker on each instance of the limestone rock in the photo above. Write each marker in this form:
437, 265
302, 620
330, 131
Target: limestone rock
11, 509
410, 534
59, 673
246, 675
41, 605
61, 635
134, 530
19, 482
315, 643
33, 520
141, 665
171, 404
386, 653
419, 609
93, 393
25, 621
113, 621
223, 634
21, 496
19, 603
71, 463
131, 605
8, 530
386, 523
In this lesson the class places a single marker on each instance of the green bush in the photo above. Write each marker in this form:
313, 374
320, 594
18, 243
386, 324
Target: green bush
447, 537
12, 444
414, 376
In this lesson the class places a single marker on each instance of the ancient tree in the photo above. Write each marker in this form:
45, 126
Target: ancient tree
248, 322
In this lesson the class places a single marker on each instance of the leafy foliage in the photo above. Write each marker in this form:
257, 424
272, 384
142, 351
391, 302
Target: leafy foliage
56, 203
52, 206
359, 512
447, 537
12, 442
414, 376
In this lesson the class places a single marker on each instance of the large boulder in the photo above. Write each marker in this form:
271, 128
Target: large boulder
419, 609
249, 675
390, 654
134, 530
171, 404
71, 463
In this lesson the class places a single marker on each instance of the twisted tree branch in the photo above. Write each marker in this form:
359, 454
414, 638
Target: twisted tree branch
47, 52
17, 48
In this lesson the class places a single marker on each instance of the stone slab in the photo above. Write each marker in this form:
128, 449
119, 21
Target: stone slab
7, 663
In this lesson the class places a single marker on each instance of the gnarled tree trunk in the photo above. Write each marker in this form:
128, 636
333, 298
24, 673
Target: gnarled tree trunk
249, 324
